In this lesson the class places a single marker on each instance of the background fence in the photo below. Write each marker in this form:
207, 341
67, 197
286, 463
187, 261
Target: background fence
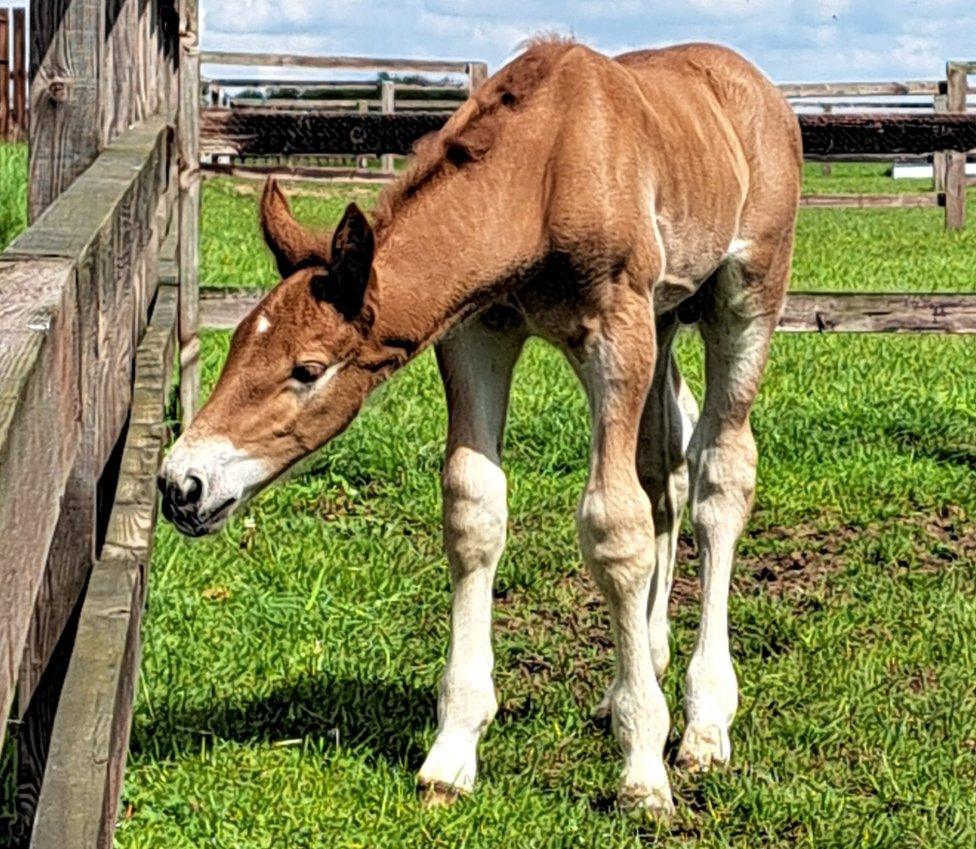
13, 75
254, 125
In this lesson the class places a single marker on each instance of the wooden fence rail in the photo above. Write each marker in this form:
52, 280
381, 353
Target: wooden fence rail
819, 312
76, 292
78, 803
363, 63
94, 249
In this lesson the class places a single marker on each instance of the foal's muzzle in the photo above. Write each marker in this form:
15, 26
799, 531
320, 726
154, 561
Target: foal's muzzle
204, 479
182, 496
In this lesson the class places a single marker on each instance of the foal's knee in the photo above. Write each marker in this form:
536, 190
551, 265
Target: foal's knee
616, 531
723, 477
475, 511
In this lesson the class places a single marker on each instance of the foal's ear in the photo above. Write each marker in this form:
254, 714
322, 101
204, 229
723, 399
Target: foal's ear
293, 245
344, 283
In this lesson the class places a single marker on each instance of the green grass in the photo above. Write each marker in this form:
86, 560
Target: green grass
13, 193
855, 178
232, 251
290, 664
893, 250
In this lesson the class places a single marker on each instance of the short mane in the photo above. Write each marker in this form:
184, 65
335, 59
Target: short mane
468, 134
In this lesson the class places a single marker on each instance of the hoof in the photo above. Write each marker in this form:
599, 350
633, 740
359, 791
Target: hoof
643, 801
703, 748
438, 794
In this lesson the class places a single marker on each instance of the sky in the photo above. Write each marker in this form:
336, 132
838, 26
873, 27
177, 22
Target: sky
791, 40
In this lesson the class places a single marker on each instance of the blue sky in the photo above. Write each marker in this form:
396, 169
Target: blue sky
794, 40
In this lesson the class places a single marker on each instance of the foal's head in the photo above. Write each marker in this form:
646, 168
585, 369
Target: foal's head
299, 368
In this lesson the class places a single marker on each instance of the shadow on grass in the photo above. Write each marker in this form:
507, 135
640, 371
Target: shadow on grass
386, 719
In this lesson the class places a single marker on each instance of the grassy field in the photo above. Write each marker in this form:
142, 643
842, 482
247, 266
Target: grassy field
895, 250
290, 664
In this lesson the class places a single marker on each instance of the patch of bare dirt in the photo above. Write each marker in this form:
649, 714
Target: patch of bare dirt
566, 635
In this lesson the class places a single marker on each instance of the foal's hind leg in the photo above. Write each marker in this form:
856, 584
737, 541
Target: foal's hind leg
617, 540
669, 419
476, 366
736, 329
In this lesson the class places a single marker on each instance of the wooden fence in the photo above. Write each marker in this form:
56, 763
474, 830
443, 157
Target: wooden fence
13, 75
353, 98
92, 295
942, 130
255, 135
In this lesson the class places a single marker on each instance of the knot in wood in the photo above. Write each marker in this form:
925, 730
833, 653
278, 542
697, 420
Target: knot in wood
57, 89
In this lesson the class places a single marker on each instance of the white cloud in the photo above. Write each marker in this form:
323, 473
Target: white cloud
789, 39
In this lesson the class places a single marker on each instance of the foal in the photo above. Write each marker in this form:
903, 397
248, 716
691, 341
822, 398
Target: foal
593, 202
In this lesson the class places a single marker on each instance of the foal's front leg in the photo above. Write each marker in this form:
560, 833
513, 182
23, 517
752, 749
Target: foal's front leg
617, 539
476, 366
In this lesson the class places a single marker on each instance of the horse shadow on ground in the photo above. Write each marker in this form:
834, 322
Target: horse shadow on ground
387, 720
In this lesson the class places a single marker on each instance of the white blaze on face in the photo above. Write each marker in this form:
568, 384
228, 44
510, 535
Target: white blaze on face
263, 324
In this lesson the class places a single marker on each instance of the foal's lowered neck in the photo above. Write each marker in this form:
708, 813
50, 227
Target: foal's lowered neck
451, 249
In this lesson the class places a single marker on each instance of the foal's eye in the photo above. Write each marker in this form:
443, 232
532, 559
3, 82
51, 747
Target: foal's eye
307, 372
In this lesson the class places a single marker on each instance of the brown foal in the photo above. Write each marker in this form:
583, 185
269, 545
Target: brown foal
594, 202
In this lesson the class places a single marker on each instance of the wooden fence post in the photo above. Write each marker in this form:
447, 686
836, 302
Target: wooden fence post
955, 172
66, 50
477, 73
189, 255
4, 73
825, 167
362, 162
18, 75
939, 104
387, 106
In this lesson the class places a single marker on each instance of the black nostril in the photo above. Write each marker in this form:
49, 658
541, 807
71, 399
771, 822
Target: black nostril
194, 489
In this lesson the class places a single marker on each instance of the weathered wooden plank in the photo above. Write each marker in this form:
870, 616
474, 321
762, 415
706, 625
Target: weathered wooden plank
18, 75
880, 313
895, 201
388, 106
266, 132
80, 795
851, 89
477, 73
308, 174
365, 63
72, 550
40, 407
64, 97
118, 70
101, 225
884, 133
865, 105
105, 221
189, 210
4, 72
805, 311
963, 67
955, 158
302, 104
